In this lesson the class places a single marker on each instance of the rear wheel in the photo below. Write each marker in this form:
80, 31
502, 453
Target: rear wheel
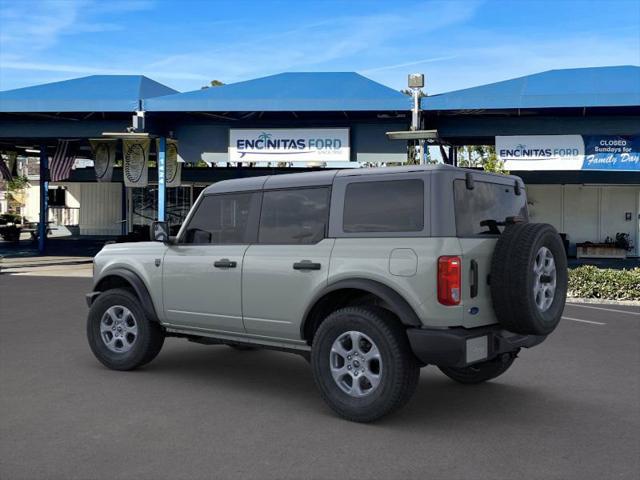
480, 372
120, 333
363, 364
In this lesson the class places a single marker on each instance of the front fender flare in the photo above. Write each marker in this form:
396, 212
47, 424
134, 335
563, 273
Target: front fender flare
134, 280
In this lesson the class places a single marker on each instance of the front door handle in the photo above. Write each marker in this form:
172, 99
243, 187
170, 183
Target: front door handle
306, 265
225, 263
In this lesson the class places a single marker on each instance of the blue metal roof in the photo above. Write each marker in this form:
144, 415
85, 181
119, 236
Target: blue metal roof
299, 92
96, 93
577, 87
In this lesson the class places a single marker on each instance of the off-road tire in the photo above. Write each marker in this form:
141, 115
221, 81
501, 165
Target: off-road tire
149, 340
480, 372
399, 375
513, 277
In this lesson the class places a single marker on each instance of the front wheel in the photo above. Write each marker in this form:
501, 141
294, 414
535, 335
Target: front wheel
480, 372
120, 333
363, 364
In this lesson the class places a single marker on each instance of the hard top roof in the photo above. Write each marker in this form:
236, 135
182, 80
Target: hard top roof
310, 179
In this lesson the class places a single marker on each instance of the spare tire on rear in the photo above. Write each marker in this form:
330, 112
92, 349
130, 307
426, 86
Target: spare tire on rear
529, 278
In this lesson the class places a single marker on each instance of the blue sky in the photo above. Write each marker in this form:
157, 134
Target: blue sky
184, 44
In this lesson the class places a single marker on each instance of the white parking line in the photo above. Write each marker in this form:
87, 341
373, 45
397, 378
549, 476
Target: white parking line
602, 308
583, 321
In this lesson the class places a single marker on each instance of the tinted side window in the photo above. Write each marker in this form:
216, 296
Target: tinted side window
384, 206
223, 219
487, 201
295, 216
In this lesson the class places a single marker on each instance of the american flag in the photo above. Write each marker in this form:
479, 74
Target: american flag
4, 170
62, 161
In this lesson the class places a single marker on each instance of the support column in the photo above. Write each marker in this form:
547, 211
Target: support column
162, 179
44, 199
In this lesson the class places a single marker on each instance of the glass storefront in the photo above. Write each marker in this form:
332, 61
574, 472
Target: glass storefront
143, 207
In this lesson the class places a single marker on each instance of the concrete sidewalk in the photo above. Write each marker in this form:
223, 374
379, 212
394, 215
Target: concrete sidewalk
7, 264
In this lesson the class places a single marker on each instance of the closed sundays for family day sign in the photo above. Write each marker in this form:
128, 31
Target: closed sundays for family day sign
289, 145
569, 152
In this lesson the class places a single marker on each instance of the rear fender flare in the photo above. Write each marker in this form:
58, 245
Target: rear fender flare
396, 302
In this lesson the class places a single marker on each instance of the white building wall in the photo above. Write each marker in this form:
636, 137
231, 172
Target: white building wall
587, 212
100, 208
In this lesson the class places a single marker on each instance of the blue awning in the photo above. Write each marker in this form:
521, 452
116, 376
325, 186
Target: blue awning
96, 93
577, 87
288, 92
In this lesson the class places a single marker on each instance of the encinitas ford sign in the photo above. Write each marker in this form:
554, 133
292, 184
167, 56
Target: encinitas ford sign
289, 145
541, 152
569, 152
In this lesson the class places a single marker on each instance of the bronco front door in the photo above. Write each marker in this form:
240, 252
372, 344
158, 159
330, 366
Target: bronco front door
202, 273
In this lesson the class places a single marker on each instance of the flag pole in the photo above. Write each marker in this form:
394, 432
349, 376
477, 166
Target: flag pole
44, 197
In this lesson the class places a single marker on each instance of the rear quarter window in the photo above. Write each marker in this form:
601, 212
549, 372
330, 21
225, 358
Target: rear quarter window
487, 201
384, 206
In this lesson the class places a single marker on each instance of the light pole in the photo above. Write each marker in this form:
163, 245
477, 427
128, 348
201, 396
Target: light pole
416, 83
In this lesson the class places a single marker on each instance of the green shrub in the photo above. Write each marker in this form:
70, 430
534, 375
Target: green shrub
588, 281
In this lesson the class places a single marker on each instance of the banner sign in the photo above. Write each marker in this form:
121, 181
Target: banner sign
541, 152
289, 145
173, 167
104, 157
569, 152
136, 162
610, 152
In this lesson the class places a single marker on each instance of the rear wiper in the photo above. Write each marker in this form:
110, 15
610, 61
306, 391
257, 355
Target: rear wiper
494, 224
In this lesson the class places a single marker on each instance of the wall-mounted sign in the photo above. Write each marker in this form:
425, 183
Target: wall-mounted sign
136, 162
104, 158
289, 145
569, 152
541, 152
610, 152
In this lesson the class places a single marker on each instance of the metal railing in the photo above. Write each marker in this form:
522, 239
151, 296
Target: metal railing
64, 215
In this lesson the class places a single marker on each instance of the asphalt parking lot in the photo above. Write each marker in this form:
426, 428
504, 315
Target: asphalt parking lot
569, 408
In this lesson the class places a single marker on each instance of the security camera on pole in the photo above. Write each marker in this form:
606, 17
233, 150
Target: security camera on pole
416, 83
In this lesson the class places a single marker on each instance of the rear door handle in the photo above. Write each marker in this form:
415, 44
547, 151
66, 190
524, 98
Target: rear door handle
474, 279
306, 265
224, 263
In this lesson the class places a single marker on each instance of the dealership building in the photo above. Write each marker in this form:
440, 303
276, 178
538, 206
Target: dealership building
573, 135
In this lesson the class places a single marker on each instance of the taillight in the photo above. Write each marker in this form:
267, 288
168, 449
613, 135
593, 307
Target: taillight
449, 280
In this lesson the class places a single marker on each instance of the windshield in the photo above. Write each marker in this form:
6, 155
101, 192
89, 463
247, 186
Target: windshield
478, 210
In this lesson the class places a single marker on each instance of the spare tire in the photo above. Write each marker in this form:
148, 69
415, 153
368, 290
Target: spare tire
529, 278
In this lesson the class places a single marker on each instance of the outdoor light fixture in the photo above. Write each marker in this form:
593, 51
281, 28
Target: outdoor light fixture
31, 150
126, 134
416, 80
430, 136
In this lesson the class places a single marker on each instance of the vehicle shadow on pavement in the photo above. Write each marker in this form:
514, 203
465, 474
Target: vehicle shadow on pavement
438, 401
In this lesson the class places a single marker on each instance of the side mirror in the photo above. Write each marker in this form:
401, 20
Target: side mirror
160, 232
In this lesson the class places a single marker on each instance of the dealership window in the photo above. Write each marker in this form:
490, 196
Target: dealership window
144, 208
487, 202
57, 197
294, 216
384, 206
223, 219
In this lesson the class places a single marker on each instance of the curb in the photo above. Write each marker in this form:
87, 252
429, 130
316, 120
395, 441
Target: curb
602, 301
9, 266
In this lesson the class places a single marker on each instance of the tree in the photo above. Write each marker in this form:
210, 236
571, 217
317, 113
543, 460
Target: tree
474, 156
213, 83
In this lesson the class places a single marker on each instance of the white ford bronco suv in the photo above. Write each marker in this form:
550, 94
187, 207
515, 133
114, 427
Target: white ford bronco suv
370, 274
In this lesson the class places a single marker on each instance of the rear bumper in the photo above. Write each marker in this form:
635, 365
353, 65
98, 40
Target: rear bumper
459, 347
